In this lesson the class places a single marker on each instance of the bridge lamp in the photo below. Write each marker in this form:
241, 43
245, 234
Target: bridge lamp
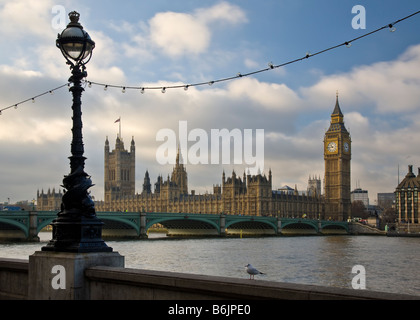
76, 228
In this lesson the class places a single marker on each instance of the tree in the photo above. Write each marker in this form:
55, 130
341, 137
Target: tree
389, 215
358, 210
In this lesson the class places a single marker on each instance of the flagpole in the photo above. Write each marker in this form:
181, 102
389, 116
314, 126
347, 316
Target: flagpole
119, 124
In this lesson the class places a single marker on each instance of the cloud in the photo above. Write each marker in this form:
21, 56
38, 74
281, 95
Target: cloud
178, 34
16, 16
106, 50
11, 70
267, 95
251, 64
391, 86
138, 48
223, 12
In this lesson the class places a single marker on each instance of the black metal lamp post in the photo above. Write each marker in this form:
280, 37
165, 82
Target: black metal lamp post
76, 229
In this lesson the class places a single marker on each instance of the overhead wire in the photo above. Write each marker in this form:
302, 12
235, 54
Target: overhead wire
347, 43
271, 66
51, 91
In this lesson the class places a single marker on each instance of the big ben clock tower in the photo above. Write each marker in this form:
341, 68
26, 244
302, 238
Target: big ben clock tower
337, 156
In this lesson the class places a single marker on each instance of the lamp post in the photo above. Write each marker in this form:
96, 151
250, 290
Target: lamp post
76, 228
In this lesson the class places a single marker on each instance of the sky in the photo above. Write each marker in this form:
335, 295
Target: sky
167, 43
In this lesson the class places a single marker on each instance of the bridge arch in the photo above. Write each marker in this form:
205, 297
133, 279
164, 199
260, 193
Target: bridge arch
124, 221
43, 223
178, 221
292, 224
334, 227
19, 225
248, 223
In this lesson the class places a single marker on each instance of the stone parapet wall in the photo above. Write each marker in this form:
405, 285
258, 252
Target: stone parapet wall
120, 283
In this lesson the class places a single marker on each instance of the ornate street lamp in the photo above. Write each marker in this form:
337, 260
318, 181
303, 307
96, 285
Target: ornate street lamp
76, 229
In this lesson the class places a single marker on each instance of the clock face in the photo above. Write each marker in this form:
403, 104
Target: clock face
332, 146
346, 147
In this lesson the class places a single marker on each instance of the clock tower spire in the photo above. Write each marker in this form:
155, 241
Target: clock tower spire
337, 157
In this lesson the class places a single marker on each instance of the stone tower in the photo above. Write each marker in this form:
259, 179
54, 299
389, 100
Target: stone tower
314, 186
337, 156
232, 188
179, 174
251, 195
260, 193
119, 172
147, 187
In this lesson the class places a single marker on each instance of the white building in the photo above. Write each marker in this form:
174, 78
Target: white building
360, 195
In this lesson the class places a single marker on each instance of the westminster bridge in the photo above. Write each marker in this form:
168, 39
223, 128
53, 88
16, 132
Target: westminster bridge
25, 225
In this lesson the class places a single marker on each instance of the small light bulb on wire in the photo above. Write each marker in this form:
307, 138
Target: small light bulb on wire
142, 91
348, 44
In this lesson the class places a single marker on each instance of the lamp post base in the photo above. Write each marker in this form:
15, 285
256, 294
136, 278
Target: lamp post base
79, 235
61, 275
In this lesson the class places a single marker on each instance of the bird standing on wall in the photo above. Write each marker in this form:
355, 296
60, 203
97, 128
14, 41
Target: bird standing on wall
252, 271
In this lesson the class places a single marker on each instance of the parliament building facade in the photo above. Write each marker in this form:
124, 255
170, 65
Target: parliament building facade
244, 195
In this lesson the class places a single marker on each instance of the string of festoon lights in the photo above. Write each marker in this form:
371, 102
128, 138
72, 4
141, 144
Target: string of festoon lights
51, 91
271, 66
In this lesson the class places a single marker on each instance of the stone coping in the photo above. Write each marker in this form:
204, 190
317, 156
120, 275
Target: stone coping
229, 288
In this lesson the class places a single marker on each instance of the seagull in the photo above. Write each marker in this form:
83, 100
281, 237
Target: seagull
252, 271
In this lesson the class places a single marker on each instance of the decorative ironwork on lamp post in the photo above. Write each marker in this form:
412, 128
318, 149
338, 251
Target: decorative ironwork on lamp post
76, 228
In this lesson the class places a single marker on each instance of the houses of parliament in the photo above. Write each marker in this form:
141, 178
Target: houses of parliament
244, 195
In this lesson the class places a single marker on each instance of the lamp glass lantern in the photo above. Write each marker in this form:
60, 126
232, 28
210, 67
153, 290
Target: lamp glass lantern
74, 42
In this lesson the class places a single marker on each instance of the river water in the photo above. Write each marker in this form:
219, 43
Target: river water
391, 264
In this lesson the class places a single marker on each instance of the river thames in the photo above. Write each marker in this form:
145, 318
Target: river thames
391, 264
